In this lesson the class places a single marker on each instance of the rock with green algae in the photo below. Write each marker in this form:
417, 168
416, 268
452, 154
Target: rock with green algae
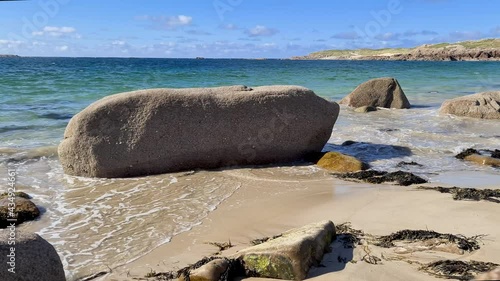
338, 162
291, 255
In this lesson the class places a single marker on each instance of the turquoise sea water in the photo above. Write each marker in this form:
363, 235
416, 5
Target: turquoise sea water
39, 95
96, 223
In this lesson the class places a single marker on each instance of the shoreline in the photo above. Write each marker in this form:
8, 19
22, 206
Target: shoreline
242, 218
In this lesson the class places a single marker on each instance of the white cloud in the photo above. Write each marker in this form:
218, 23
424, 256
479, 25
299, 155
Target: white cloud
55, 31
169, 23
229, 26
261, 30
63, 48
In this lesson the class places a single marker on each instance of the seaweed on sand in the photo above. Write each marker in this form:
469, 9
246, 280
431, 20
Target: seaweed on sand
221, 245
348, 236
460, 270
377, 177
265, 239
459, 193
234, 269
464, 243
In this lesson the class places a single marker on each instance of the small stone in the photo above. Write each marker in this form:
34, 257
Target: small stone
338, 162
211, 271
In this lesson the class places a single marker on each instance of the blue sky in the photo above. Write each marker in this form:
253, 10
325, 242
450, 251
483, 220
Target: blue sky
235, 28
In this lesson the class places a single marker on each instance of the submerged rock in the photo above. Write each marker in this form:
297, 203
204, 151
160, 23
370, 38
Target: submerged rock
495, 153
338, 162
380, 92
35, 258
291, 255
166, 130
24, 210
481, 105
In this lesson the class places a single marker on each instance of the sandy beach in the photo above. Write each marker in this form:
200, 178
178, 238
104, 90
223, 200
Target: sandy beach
265, 206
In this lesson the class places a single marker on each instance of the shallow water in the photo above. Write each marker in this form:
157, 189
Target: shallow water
99, 223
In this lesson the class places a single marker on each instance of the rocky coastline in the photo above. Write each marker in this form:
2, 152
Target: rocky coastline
484, 50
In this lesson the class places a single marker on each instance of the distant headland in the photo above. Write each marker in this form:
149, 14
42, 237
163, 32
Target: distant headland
482, 50
9, 56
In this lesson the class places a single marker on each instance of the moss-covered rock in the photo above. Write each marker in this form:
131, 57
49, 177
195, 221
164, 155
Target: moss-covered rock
341, 163
291, 255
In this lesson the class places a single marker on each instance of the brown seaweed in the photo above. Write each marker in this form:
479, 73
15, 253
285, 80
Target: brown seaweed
459, 270
464, 243
459, 193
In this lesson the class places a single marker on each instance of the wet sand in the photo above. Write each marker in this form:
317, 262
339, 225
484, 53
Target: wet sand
268, 203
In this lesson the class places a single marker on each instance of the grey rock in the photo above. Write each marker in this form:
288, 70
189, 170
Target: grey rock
166, 130
481, 105
35, 258
380, 92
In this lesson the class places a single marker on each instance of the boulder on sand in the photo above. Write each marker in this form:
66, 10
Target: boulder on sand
481, 105
291, 255
380, 92
166, 130
33, 258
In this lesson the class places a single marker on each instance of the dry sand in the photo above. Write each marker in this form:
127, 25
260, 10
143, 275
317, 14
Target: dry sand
268, 204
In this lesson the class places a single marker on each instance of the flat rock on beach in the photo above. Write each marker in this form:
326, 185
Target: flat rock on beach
165, 130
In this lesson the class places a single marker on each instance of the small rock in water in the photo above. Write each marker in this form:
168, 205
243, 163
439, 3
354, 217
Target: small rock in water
25, 210
412, 163
348, 142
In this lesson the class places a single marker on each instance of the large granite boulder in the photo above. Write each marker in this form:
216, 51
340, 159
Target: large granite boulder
165, 130
291, 255
481, 105
380, 92
33, 258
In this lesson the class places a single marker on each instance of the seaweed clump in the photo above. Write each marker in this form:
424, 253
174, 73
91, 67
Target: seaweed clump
234, 269
265, 239
460, 270
348, 236
464, 243
466, 153
459, 193
377, 177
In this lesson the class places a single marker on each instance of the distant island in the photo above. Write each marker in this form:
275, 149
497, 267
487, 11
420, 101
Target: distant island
8, 56
482, 50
